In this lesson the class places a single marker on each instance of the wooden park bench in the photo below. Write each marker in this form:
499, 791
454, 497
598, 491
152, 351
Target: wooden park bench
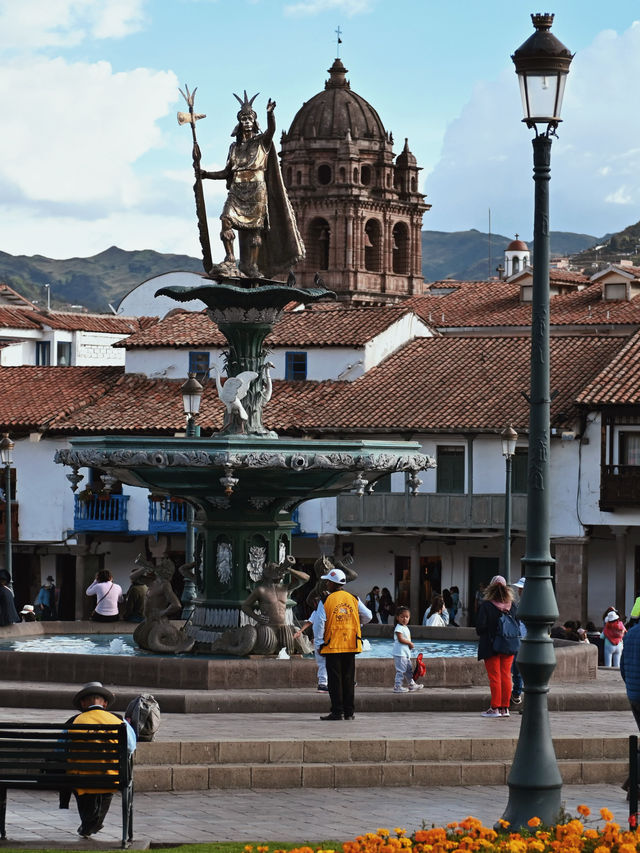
53, 757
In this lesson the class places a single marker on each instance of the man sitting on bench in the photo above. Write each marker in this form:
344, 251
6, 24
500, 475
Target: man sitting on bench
93, 701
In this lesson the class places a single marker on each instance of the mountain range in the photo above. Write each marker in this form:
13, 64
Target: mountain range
105, 278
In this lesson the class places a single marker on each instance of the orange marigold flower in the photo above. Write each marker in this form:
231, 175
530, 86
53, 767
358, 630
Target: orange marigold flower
420, 835
503, 823
627, 848
534, 821
585, 811
399, 831
452, 825
601, 849
605, 814
265, 847
248, 848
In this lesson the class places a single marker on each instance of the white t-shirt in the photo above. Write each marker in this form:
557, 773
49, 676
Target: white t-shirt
436, 620
107, 596
401, 649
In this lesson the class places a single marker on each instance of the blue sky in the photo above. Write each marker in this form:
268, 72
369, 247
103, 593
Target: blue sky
91, 154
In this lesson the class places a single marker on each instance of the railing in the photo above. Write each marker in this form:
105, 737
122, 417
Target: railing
167, 515
108, 512
14, 521
430, 512
619, 486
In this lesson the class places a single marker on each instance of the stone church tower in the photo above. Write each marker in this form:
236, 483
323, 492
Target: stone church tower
358, 207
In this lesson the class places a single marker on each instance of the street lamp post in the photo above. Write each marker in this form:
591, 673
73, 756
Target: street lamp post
509, 438
542, 64
191, 396
6, 457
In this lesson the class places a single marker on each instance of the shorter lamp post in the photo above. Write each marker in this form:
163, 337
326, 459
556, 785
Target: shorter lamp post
6, 457
191, 396
509, 438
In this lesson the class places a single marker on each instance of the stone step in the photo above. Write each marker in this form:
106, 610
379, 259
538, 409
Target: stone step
358, 749
307, 700
320, 763
194, 777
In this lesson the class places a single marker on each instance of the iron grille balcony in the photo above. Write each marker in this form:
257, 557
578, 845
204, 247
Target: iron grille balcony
106, 512
168, 515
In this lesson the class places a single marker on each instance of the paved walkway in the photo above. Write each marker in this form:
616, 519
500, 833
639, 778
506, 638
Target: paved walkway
299, 815
33, 819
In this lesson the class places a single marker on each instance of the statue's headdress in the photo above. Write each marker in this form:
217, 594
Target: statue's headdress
246, 108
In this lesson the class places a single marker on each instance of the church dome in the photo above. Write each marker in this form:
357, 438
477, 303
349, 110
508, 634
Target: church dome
336, 110
517, 246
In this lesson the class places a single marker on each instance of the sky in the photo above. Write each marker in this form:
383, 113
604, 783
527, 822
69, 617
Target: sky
91, 153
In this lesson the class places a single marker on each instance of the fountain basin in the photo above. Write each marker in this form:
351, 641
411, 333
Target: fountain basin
575, 663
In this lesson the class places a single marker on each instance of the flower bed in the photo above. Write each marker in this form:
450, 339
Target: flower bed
572, 836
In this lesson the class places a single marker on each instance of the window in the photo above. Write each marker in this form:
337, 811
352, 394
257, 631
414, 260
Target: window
629, 448
199, 364
324, 174
317, 244
450, 470
372, 246
519, 468
365, 175
63, 353
43, 353
400, 245
295, 366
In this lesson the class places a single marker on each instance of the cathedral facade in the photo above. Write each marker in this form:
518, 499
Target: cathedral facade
358, 206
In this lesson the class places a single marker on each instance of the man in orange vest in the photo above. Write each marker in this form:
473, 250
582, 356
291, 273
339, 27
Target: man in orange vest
338, 621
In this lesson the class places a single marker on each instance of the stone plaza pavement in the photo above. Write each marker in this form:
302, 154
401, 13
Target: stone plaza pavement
307, 814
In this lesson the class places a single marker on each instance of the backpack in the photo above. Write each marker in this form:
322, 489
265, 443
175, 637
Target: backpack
143, 714
507, 638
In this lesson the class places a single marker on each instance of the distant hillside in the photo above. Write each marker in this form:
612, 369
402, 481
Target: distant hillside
92, 282
464, 255
611, 249
105, 278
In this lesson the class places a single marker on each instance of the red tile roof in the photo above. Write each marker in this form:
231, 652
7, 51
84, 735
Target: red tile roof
318, 325
33, 397
19, 317
445, 384
619, 382
490, 304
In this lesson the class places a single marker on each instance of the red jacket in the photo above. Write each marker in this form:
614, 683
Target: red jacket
614, 631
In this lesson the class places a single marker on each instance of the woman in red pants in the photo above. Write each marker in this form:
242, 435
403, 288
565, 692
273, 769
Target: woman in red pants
498, 599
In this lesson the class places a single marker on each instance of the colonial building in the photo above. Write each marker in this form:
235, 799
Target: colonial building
358, 206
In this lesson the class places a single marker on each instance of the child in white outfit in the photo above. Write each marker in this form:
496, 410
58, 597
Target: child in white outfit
317, 641
402, 647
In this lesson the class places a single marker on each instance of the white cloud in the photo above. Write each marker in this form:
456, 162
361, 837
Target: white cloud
83, 127
620, 196
29, 24
317, 7
486, 159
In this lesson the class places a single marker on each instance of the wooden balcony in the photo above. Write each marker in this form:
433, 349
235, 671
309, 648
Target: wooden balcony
14, 521
107, 512
619, 487
442, 513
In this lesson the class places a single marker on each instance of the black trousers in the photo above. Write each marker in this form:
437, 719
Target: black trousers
93, 809
341, 671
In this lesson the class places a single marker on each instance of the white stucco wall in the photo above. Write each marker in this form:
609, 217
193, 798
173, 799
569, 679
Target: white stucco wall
396, 336
96, 349
141, 302
44, 496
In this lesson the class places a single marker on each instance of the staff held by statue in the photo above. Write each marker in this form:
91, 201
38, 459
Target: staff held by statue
191, 118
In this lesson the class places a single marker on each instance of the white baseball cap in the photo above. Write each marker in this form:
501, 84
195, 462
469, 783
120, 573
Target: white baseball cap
520, 584
335, 575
